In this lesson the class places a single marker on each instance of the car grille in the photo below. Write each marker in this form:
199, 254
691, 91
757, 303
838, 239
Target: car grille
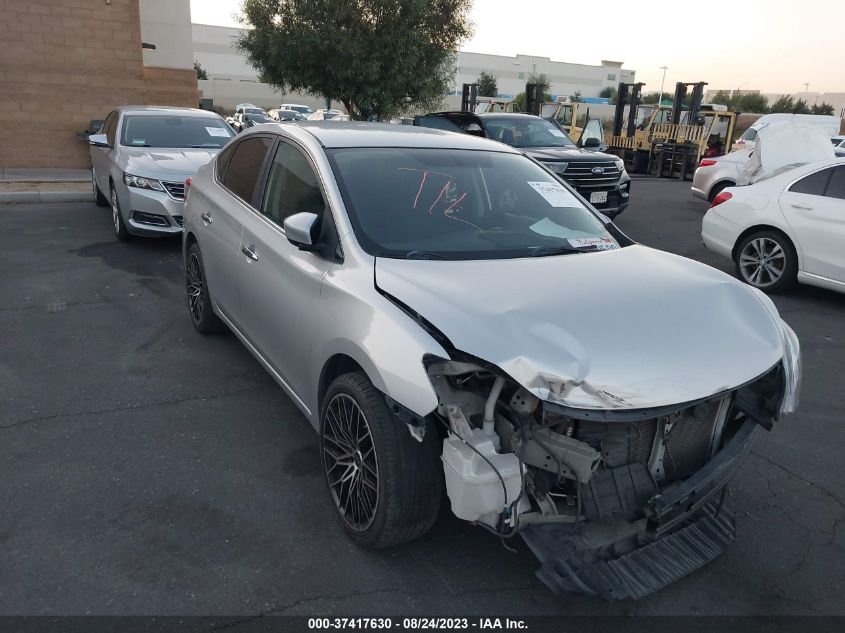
150, 218
176, 190
589, 174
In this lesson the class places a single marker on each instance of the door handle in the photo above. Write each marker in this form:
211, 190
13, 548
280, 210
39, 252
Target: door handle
249, 251
206, 217
799, 206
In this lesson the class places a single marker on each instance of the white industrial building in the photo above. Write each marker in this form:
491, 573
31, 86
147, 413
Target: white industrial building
232, 80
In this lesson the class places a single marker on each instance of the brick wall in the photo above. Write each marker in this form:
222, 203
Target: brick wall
171, 86
65, 62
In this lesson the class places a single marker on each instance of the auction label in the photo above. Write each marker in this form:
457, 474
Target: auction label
419, 624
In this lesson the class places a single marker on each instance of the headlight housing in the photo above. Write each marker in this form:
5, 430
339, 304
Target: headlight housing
142, 183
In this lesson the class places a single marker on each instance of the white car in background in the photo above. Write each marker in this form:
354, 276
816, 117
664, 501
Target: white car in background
784, 229
328, 115
296, 107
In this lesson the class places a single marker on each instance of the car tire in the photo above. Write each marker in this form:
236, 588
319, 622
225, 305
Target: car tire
120, 230
767, 260
393, 483
717, 189
99, 199
202, 314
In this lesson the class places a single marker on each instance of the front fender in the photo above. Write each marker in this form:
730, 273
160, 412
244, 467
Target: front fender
387, 344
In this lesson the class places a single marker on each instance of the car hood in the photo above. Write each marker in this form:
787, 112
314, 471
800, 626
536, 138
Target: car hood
562, 153
629, 328
162, 163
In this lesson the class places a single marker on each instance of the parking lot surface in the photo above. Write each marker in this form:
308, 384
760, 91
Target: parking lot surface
145, 469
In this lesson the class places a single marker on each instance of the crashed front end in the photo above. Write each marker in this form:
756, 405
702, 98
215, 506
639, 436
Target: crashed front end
616, 502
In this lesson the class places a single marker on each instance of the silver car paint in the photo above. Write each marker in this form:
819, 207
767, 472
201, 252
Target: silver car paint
628, 328
163, 164
726, 170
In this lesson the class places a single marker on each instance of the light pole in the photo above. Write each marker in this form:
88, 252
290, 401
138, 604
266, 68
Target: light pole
660, 98
731, 96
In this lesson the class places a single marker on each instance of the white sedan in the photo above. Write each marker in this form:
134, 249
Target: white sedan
784, 229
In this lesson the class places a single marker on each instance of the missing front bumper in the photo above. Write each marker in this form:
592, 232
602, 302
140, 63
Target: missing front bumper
679, 531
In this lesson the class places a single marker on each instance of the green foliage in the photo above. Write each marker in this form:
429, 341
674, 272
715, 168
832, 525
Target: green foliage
609, 93
822, 108
784, 103
201, 74
651, 97
540, 79
520, 100
487, 85
378, 57
801, 107
754, 102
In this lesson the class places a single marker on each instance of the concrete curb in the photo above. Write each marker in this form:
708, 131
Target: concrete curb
13, 197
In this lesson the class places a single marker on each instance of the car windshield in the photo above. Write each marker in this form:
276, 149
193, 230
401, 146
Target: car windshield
526, 132
174, 131
459, 204
301, 109
258, 118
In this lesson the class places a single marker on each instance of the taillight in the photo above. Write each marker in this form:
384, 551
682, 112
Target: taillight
706, 162
722, 197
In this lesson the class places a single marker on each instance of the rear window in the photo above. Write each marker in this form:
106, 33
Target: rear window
244, 167
814, 184
174, 131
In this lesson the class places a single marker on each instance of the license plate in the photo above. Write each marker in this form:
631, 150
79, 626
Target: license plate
598, 197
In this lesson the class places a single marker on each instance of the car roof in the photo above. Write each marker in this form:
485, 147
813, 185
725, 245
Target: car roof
164, 110
363, 134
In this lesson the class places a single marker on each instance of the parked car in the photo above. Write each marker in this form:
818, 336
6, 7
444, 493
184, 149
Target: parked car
717, 173
828, 124
432, 303
838, 141
328, 115
141, 159
600, 178
286, 115
296, 107
785, 229
249, 119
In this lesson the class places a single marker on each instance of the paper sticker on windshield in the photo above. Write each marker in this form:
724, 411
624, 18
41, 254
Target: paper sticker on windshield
555, 194
599, 243
217, 131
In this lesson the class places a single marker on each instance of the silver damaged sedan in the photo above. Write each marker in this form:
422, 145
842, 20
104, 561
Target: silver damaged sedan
451, 317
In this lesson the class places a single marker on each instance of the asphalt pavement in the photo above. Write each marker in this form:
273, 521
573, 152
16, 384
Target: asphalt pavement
145, 469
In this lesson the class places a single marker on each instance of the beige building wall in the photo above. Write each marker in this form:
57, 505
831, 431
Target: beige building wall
66, 62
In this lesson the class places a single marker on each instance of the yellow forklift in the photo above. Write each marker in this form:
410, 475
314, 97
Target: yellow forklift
669, 141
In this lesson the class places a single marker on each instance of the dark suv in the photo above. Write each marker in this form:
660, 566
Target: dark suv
600, 178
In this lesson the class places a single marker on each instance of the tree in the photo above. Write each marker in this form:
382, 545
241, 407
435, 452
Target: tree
487, 85
822, 108
541, 79
751, 102
378, 57
801, 107
520, 100
201, 74
651, 97
608, 93
784, 103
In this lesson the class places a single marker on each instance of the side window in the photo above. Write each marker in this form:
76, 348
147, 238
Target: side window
814, 184
750, 134
292, 186
222, 159
244, 167
836, 186
110, 127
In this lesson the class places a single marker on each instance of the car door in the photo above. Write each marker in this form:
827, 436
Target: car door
238, 170
814, 206
101, 156
280, 284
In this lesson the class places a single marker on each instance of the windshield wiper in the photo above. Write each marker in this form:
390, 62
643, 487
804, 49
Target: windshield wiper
424, 255
546, 251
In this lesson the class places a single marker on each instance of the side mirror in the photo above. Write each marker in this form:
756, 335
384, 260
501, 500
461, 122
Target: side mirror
300, 228
99, 140
592, 143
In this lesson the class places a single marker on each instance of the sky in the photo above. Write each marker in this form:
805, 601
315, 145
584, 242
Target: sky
775, 46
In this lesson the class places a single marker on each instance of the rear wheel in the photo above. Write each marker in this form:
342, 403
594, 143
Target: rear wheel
717, 189
99, 199
767, 260
120, 229
386, 487
199, 300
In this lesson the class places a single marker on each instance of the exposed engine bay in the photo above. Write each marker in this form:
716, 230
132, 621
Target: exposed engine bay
614, 503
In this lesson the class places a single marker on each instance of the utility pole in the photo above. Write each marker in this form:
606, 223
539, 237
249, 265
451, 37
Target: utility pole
660, 98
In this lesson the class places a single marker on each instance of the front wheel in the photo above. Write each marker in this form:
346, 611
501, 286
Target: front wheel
385, 486
767, 260
120, 230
